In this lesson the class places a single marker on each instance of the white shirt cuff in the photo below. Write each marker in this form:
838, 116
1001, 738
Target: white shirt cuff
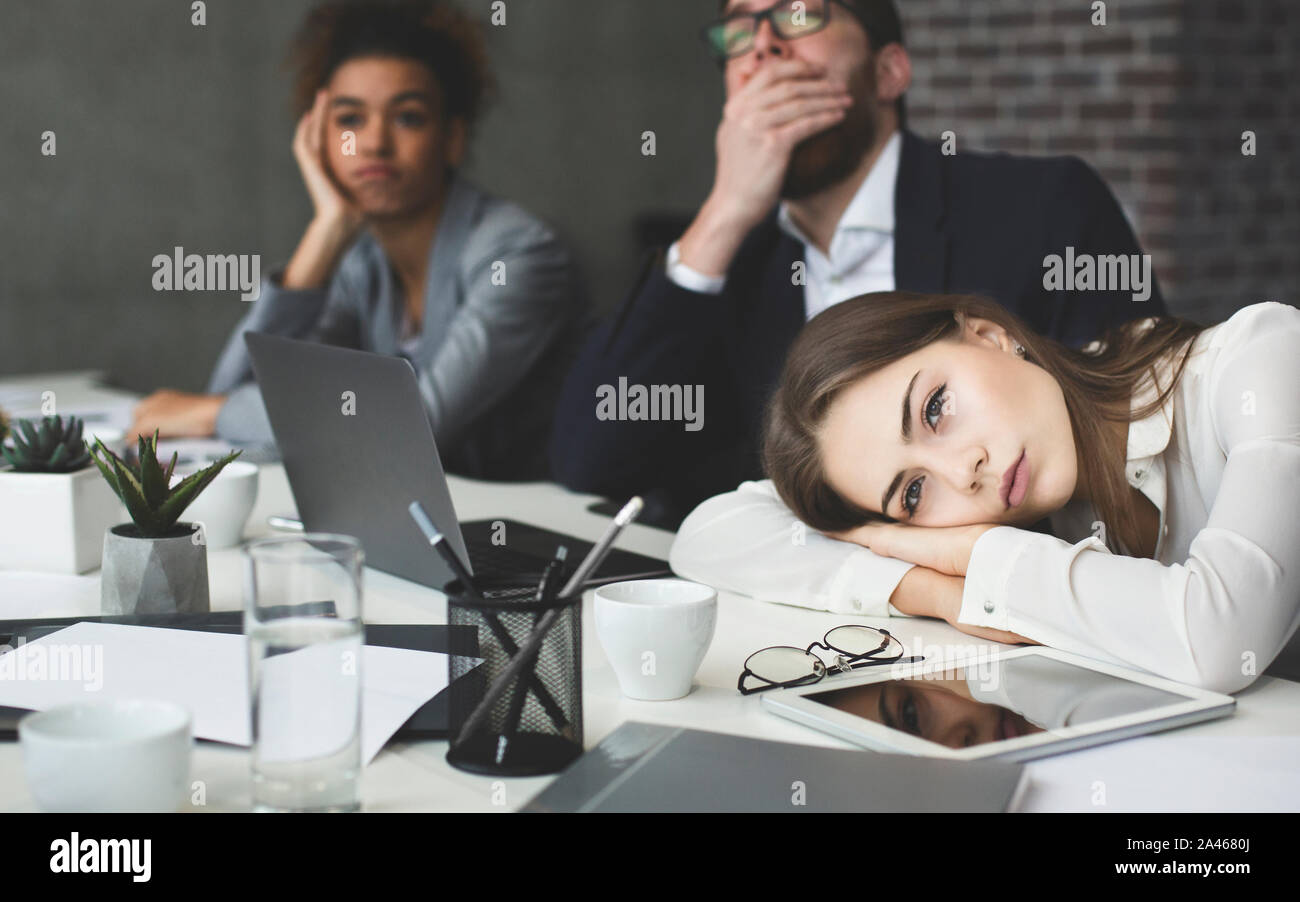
998, 558
984, 596
690, 279
865, 583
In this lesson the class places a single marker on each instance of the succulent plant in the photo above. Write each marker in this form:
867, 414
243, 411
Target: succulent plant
4, 425
55, 446
145, 487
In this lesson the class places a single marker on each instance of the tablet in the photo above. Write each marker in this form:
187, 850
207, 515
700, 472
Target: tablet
1014, 704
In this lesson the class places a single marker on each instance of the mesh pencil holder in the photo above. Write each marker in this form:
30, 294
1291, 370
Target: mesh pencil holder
535, 727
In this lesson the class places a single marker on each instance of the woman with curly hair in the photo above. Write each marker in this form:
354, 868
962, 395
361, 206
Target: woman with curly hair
403, 255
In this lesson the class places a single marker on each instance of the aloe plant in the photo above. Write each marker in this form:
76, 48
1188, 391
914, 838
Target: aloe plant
145, 487
53, 446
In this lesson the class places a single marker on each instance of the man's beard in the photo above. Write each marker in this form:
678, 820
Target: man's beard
828, 157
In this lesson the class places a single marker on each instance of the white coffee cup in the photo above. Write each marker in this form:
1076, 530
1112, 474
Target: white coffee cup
108, 756
224, 506
113, 439
655, 633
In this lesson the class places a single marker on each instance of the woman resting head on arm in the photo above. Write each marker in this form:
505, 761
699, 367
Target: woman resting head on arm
947, 411
924, 426
902, 410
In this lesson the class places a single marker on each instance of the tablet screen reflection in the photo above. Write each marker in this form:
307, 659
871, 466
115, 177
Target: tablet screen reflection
942, 710
979, 703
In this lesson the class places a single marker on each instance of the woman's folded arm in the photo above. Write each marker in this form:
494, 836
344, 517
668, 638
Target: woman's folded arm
747, 541
324, 315
1215, 621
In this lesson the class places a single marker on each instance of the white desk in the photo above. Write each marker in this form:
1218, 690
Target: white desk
415, 776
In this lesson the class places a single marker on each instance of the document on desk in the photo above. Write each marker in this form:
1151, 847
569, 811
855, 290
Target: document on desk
26, 403
204, 672
1172, 772
27, 595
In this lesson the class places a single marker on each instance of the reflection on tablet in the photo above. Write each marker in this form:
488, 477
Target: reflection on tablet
993, 701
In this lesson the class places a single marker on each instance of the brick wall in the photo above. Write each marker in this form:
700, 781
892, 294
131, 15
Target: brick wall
1156, 99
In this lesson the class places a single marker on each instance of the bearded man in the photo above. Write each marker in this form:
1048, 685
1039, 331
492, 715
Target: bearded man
820, 194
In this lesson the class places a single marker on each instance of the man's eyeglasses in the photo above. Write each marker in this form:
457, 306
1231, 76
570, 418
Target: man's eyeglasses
733, 35
854, 645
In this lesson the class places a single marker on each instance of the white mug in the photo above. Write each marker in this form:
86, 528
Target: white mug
655, 633
108, 756
113, 439
223, 507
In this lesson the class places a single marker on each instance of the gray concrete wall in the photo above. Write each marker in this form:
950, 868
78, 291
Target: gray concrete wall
169, 134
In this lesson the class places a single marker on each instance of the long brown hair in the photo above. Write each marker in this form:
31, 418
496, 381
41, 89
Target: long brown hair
860, 336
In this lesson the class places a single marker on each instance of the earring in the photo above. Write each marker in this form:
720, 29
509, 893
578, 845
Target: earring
1020, 350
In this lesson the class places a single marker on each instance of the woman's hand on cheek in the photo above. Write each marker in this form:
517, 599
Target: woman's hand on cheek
333, 206
946, 549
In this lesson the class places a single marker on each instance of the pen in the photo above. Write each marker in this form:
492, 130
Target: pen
545, 592
437, 540
534, 641
546, 589
597, 554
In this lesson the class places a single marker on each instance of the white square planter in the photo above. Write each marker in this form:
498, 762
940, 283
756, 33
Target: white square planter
55, 522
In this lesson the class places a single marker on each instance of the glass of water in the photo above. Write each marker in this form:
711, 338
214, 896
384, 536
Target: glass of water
302, 616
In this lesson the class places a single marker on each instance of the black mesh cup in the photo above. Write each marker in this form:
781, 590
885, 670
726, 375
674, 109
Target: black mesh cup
535, 727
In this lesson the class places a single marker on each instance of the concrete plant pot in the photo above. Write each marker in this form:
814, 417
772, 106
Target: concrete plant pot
55, 522
154, 576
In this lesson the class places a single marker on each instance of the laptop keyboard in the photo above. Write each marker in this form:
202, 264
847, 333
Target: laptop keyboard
518, 566
502, 562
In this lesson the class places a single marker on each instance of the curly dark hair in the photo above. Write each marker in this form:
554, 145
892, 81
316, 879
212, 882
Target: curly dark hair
427, 31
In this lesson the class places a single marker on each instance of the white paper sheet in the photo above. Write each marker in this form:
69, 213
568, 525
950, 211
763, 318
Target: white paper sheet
27, 595
1171, 773
205, 672
28, 404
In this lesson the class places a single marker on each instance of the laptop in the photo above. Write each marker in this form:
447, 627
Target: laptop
358, 448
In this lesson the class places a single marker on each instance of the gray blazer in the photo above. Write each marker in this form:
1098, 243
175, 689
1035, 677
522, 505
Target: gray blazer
502, 316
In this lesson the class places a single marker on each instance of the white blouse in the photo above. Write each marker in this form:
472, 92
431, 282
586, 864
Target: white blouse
1221, 463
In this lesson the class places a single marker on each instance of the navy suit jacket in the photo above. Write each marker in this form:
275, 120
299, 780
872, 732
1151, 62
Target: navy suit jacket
965, 223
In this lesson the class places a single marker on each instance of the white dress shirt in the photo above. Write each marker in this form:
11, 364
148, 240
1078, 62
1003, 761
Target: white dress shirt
1220, 462
861, 257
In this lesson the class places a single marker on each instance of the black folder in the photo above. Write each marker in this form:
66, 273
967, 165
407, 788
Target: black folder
428, 722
